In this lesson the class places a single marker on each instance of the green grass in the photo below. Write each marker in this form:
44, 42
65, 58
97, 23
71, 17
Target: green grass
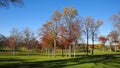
100, 59
97, 61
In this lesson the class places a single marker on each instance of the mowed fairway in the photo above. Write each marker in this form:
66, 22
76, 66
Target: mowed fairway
96, 61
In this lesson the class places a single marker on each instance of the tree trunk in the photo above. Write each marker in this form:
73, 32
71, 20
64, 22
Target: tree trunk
75, 51
116, 48
54, 48
13, 50
110, 47
87, 44
28, 52
62, 52
70, 50
103, 47
66, 51
92, 44
48, 51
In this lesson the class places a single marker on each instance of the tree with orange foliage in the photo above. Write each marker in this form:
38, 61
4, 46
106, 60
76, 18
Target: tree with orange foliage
46, 39
47, 43
70, 25
63, 26
52, 28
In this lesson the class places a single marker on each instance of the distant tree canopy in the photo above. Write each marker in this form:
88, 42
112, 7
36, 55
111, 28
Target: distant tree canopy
2, 40
8, 3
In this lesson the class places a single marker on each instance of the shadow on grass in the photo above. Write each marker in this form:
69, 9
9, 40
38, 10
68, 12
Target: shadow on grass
111, 60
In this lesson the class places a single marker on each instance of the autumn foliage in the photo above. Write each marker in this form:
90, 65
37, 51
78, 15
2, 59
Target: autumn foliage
64, 31
103, 39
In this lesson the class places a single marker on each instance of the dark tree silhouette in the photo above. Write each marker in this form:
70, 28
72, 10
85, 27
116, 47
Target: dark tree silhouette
3, 40
8, 3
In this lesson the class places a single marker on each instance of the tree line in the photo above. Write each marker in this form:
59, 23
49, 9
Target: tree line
64, 30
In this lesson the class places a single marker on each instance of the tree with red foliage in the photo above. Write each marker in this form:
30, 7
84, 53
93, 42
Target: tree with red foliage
63, 43
11, 43
103, 40
47, 43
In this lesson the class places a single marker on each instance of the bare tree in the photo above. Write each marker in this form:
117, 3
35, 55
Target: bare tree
28, 36
90, 28
93, 28
14, 33
113, 37
116, 20
87, 24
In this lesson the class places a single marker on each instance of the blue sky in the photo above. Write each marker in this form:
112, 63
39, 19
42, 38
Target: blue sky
35, 13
